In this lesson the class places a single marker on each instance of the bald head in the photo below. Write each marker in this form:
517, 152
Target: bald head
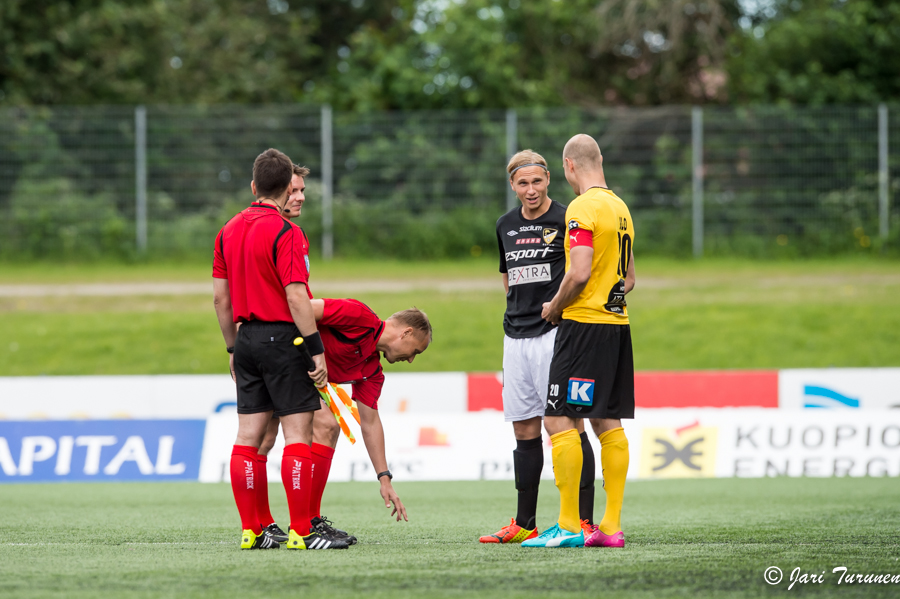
584, 152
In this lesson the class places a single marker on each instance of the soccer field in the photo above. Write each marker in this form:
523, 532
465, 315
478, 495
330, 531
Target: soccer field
685, 538
685, 315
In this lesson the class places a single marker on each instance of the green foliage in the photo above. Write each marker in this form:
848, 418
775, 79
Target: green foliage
819, 52
49, 218
431, 184
685, 538
364, 55
366, 230
411, 54
191, 51
788, 182
484, 53
408, 180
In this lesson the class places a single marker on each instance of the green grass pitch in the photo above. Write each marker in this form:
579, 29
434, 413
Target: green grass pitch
686, 538
685, 315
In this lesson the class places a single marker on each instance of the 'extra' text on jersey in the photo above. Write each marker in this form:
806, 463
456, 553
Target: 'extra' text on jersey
532, 254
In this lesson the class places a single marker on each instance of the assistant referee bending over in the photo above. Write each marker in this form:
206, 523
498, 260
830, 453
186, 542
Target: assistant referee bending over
260, 277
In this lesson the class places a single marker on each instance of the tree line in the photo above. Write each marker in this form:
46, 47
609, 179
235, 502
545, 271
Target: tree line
364, 55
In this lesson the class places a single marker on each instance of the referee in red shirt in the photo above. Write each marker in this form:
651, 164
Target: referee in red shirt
355, 339
260, 277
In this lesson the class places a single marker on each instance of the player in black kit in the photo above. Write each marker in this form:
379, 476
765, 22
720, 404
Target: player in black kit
532, 263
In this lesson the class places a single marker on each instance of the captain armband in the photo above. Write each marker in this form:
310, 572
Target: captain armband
580, 237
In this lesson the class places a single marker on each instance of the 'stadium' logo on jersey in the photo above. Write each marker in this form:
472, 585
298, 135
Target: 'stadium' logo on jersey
525, 228
549, 235
686, 452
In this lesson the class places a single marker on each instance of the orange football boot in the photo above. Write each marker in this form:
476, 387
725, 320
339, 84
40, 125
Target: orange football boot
513, 533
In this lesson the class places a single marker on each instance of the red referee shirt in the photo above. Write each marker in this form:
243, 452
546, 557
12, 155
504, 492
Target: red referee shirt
350, 332
261, 253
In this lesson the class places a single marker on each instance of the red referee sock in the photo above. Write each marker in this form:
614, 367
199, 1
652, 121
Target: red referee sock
296, 474
321, 458
243, 485
262, 492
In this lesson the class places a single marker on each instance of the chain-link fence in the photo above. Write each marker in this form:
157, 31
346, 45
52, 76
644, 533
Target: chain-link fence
761, 181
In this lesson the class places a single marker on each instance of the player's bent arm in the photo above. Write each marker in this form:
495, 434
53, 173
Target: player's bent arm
506, 282
304, 317
318, 307
222, 302
629, 276
573, 283
373, 436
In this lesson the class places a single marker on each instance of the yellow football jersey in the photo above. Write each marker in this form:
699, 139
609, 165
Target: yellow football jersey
606, 216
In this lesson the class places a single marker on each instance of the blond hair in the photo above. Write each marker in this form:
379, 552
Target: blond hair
523, 158
415, 318
301, 171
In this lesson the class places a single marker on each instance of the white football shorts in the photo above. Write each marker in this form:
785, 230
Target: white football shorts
526, 370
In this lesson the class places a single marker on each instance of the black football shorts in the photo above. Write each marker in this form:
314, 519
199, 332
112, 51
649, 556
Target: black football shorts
592, 371
270, 372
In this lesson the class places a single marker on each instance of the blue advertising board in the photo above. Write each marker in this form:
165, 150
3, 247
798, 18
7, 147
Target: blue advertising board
100, 450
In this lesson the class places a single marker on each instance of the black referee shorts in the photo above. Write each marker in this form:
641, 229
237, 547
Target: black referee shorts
270, 372
592, 371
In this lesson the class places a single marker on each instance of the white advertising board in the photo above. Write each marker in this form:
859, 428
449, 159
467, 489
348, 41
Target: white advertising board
663, 443
192, 396
842, 388
114, 397
758, 442
434, 446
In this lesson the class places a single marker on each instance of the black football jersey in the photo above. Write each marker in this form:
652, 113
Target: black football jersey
533, 255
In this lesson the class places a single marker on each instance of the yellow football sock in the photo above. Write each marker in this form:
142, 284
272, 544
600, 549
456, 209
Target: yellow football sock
614, 461
567, 462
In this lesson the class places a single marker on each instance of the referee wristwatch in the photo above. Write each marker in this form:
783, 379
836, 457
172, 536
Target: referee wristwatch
386, 473
230, 350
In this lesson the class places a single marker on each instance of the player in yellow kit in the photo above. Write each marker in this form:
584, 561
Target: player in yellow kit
592, 371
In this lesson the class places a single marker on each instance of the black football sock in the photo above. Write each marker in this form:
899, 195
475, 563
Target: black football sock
528, 460
588, 474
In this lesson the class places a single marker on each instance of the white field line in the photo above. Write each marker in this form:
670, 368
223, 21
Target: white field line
125, 543
325, 287
319, 287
